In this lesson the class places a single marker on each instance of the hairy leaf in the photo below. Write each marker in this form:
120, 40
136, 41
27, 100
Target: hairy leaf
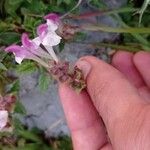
2, 67
44, 81
19, 108
26, 67
8, 38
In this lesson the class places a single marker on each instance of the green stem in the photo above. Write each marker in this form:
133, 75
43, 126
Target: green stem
122, 10
103, 12
76, 6
115, 30
34, 15
117, 47
40, 61
135, 35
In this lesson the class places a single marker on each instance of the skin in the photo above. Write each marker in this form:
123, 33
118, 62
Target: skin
113, 112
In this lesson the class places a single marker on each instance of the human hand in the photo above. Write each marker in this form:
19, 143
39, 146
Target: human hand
114, 112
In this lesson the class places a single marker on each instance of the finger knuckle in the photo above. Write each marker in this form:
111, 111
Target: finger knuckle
99, 94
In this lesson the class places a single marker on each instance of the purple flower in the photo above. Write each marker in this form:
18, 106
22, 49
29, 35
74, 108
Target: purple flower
28, 50
52, 16
42, 30
20, 53
31, 49
47, 34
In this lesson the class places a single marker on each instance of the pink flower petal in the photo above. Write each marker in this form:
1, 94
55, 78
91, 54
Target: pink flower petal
27, 43
19, 59
51, 26
19, 52
14, 48
51, 39
37, 41
52, 16
42, 29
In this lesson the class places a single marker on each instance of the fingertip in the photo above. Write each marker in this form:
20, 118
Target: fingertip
108, 86
123, 61
142, 62
121, 57
87, 64
140, 56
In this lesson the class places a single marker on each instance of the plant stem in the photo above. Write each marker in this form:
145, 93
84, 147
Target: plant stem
135, 35
40, 61
115, 30
103, 12
117, 47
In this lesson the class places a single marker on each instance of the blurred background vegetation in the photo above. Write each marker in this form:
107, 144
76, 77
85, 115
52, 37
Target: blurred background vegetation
18, 16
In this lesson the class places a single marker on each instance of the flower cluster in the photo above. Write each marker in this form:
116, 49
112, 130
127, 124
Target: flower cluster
6, 106
40, 48
73, 76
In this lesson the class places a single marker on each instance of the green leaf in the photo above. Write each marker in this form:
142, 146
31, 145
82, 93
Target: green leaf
11, 6
17, 125
30, 23
26, 67
14, 87
8, 38
32, 146
36, 7
5, 26
21, 142
65, 143
19, 108
67, 1
2, 67
44, 81
28, 135
59, 2
30, 1
3, 54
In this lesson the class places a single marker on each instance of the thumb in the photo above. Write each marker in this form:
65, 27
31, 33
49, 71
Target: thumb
114, 97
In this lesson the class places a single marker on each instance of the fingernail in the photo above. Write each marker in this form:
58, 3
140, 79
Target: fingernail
84, 66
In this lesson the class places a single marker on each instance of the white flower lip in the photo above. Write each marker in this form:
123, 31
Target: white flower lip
18, 59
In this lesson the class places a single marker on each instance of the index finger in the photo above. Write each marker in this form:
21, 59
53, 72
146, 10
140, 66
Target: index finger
86, 126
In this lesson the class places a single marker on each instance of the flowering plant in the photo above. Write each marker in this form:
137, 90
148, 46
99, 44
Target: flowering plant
21, 16
40, 49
